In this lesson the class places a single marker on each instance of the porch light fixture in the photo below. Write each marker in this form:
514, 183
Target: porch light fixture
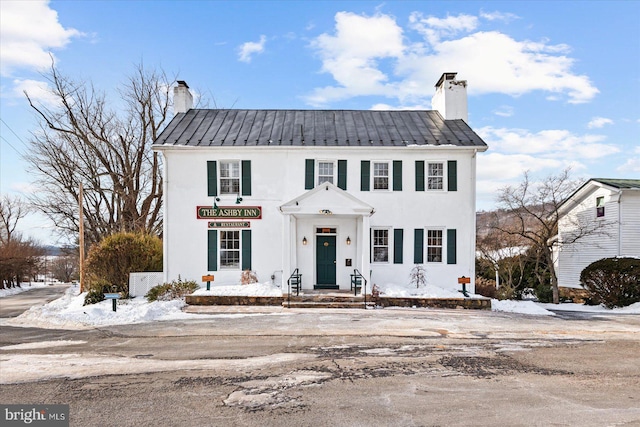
304, 241
238, 200
348, 240
326, 212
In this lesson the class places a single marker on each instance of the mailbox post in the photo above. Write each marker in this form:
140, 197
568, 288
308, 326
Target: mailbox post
208, 278
113, 297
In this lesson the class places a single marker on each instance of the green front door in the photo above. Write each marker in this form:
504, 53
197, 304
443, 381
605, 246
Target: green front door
326, 262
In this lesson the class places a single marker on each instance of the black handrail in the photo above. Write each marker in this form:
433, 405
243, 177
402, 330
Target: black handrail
295, 275
356, 275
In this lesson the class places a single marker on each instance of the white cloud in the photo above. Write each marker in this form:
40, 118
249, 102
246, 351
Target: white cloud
554, 143
504, 111
29, 30
598, 122
374, 55
37, 91
248, 49
499, 16
631, 165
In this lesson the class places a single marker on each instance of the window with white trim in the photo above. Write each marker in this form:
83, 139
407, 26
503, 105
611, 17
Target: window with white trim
434, 245
229, 177
435, 176
326, 172
380, 247
230, 249
380, 175
599, 207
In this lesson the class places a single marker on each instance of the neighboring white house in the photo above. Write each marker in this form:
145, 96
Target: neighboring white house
610, 210
325, 192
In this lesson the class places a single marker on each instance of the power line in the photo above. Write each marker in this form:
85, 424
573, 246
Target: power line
12, 131
11, 145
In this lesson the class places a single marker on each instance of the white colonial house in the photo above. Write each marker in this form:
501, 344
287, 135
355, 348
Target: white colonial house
609, 211
324, 193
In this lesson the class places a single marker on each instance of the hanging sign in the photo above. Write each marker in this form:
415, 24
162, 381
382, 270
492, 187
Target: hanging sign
229, 224
229, 212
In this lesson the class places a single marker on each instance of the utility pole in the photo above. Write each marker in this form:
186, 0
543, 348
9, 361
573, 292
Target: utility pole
81, 240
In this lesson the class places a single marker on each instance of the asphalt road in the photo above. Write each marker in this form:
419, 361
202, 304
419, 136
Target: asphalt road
14, 305
304, 367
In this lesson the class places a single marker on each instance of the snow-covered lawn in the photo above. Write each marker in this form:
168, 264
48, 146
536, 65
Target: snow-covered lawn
69, 311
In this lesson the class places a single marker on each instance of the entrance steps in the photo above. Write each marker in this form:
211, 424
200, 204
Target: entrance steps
319, 299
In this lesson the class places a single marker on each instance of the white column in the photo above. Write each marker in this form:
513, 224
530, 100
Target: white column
365, 251
286, 250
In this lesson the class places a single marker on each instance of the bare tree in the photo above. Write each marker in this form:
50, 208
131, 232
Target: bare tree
532, 209
12, 210
106, 147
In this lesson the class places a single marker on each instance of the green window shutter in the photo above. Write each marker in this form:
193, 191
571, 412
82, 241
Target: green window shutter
452, 175
451, 246
212, 252
342, 174
397, 175
419, 175
365, 175
246, 249
418, 246
309, 174
246, 177
212, 178
397, 245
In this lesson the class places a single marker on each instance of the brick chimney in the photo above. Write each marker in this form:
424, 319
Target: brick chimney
182, 98
450, 98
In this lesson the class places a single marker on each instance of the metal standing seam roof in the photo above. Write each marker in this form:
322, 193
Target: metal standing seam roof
620, 183
316, 128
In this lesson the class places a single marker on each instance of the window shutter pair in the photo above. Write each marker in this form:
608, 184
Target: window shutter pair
452, 175
418, 246
365, 175
212, 252
310, 176
212, 178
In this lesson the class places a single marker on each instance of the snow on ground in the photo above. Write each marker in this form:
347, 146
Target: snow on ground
23, 288
69, 312
409, 290
631, 309
251, 290
521, 307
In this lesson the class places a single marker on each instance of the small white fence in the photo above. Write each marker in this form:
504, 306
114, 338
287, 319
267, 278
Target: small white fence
141, 283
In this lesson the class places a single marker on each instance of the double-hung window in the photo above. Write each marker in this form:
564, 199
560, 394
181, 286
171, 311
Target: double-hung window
434, 245
599, 207
435, 176
229, 249
325, 172
380, 175
380, 245
229, 177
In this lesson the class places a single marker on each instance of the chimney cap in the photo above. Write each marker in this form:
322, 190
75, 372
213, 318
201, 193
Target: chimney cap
446, 76
183, 83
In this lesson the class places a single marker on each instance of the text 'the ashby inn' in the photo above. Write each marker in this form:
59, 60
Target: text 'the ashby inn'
326, 192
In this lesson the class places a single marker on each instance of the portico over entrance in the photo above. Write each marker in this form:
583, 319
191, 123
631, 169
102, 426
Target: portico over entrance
326, 237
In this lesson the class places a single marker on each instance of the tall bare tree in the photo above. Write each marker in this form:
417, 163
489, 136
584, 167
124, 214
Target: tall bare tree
532, 214
105, 145
12, 210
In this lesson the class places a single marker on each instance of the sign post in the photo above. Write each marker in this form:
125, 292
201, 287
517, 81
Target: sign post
208, 278
463, 281
113, 297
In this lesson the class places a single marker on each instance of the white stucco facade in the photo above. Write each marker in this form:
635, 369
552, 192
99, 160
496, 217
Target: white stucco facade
291, 213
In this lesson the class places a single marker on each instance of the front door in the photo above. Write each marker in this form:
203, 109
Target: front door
326, 262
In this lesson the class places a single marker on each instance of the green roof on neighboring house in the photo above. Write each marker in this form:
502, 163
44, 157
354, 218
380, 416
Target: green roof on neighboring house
619, 183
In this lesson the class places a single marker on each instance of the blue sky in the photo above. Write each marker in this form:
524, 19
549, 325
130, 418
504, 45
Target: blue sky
551, 84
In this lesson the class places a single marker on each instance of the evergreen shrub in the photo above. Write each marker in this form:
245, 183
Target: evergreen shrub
170, 291
613, 282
